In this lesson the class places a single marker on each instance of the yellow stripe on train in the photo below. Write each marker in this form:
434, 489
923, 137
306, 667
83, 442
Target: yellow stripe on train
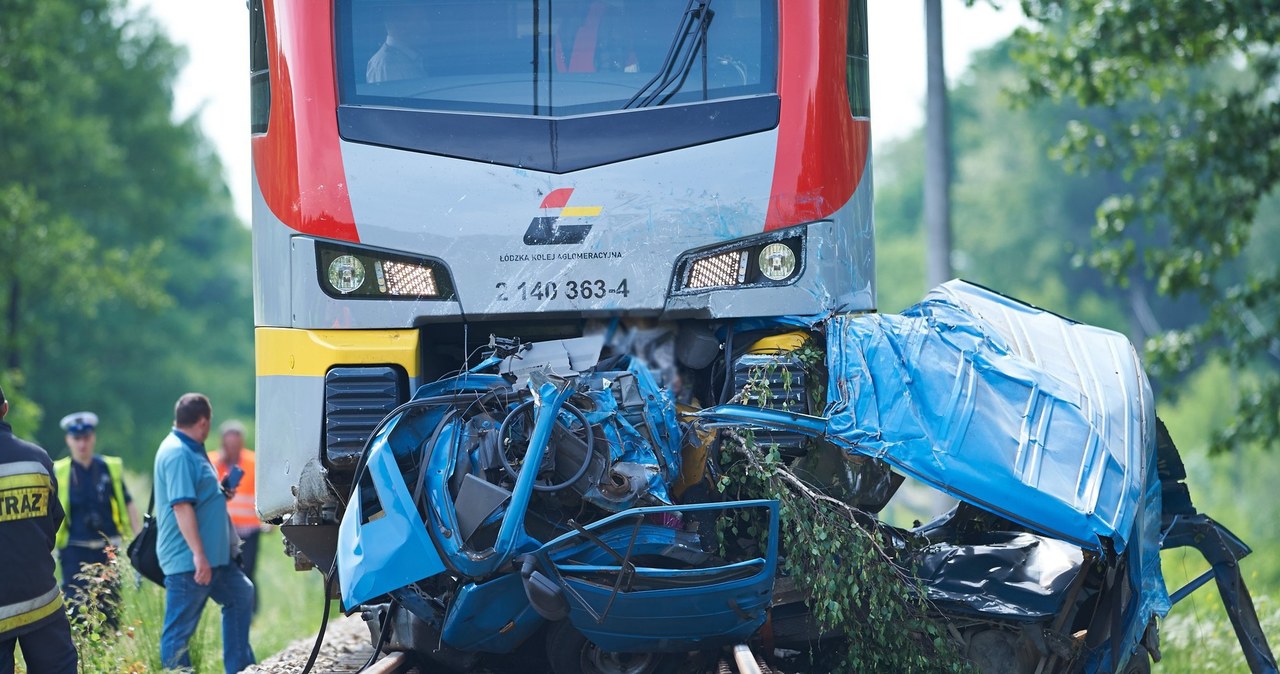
310, 353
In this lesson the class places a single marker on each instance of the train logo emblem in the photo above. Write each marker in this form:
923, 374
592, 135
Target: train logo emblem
560, 223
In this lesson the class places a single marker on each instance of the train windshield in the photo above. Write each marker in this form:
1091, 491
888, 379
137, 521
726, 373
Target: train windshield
553, 57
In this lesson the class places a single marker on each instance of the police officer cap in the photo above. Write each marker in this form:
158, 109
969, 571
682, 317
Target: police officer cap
79, 423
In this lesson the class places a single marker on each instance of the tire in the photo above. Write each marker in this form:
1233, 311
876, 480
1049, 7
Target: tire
571, 653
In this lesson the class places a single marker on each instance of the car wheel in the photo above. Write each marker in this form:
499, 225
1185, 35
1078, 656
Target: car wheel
571, 653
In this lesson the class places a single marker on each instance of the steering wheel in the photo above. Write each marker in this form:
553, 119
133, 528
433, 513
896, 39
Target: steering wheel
525, 409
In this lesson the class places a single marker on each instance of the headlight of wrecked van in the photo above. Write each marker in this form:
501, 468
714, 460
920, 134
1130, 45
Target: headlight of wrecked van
355, 273
772, 260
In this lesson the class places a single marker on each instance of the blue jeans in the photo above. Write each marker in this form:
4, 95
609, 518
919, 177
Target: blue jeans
184, 600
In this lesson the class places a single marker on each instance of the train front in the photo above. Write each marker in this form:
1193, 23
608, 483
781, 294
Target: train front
429, 173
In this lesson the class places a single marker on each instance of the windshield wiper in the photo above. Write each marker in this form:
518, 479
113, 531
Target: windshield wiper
689, 39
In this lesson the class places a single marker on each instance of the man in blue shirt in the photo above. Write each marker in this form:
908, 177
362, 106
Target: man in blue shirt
194, 543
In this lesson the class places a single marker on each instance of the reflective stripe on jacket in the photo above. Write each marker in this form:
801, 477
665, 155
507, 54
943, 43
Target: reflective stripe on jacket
25, 491
23, 613
119, 510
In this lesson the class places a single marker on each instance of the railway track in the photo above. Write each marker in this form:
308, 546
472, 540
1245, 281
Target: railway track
394, 663
347, 648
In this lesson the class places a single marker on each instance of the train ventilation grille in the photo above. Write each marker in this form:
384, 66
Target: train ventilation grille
355, 400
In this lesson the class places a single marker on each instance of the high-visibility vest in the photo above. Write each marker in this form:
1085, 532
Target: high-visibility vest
241, 508
119, 510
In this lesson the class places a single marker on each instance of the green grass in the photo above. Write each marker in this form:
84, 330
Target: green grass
289, 608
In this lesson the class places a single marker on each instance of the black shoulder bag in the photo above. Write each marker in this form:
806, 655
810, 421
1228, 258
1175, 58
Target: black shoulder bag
142, 549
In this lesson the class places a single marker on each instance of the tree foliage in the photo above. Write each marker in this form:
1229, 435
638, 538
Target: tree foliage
848, 568
1182, 98
1019, 218
125, 276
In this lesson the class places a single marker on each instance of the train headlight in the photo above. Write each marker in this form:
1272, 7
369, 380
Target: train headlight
715, 271
354, 273
346, 274
777, 261
771, 260
401, 279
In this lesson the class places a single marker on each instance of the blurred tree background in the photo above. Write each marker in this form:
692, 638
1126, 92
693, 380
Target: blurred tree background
125, 277
1181, 99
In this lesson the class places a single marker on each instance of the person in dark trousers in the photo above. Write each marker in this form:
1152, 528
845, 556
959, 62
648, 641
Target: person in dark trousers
196, 544
31, 610
244, 515
100, 511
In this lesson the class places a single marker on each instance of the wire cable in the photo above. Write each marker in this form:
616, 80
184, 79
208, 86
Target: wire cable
729, 373
324, 622
383, 632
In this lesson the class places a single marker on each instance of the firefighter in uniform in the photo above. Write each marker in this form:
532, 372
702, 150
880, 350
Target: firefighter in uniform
31, 613
99, 508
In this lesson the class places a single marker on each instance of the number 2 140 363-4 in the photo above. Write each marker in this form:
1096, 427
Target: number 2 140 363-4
584, 289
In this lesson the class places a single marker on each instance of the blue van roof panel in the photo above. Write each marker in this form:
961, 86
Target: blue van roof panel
1043, 420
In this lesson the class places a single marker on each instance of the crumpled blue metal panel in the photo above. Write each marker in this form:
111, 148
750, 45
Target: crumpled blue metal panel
1043, 420
391, 548
1151, 594
622, 605
494, 616
1145, 569
659, 460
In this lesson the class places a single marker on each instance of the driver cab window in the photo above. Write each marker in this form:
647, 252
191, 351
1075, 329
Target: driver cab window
553, 57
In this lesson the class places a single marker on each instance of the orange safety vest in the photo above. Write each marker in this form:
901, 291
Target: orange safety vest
244, 514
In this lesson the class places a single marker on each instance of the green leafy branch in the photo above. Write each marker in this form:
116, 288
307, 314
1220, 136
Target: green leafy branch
812, 360
846, 564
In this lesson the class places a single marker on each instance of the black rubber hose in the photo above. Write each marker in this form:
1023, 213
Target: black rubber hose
727, 386
324, 622
383, 632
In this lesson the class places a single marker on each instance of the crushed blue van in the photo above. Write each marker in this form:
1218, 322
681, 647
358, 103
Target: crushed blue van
545, 493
